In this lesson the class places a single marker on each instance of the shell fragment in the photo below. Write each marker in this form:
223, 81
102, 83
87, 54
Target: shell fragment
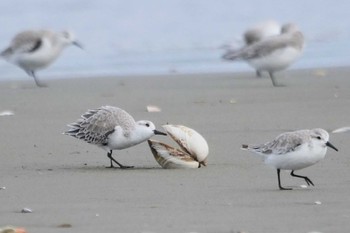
7, 113
153, 108
341, 130
26, 210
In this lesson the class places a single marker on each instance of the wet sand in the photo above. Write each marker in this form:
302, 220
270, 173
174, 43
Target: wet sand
64, 180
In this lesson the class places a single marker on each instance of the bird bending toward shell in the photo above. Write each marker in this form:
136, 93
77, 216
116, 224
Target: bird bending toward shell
33, 50
111, 128
293, 151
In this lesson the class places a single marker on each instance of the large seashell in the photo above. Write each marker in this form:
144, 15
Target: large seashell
193, 153
170, 157
190, 141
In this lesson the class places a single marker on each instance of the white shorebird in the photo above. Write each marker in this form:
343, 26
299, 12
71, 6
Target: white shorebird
293, 151
36, 49
273, 53
111, 128
260, 32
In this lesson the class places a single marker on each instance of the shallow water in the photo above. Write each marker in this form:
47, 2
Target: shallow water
155, 37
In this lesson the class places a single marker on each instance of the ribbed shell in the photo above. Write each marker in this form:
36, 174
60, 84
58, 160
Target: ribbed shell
170, 157
190, 141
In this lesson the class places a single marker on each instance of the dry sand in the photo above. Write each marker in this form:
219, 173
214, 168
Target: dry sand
63, 180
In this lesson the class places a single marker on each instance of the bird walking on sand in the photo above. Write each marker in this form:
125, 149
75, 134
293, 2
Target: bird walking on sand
111, 128
36, 49
273, 53
294, 151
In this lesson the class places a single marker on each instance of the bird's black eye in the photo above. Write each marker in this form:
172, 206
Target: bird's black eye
147, 124
318, 137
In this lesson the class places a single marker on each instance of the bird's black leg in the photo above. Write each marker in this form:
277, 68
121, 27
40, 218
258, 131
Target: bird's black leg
258, 74
279, 181
307, 180
37, 82
274, 83
109, 155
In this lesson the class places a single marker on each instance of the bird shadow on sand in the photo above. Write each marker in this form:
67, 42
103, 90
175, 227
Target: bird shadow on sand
294, 188
106, 169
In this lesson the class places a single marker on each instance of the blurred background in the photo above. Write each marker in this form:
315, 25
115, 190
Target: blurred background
132, 37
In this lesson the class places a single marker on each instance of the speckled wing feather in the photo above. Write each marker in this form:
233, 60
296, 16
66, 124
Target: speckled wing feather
283, 144
96, 125
259, 49
25, 42
264, 48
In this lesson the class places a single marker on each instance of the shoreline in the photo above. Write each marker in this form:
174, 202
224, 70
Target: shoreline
170, 73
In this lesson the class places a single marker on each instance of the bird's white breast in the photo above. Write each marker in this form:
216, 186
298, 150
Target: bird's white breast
305, 156
38, 59
277, 60
119, 140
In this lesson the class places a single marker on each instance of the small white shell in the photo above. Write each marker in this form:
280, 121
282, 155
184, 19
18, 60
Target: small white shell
7, 113
190, 141
153, 108
26, 210
170, 157
341, 130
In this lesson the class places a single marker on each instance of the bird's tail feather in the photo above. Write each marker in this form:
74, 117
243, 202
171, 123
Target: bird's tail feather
231, 55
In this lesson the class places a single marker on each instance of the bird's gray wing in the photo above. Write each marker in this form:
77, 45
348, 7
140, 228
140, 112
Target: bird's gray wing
258, 49
96, 125
24, 42
283, 144
252, 36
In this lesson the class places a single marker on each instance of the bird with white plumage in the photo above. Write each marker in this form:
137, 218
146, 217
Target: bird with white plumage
294, 151
33, 50
111, 128
274, 53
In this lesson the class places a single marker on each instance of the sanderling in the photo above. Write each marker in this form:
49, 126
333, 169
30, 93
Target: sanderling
259, 32
111, 128
274, 53
293, 151
36, 49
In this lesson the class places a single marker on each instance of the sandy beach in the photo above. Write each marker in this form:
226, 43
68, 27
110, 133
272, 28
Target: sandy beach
65, 182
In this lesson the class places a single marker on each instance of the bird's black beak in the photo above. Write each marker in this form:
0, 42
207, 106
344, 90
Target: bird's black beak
159, 132
331, 146
78, 44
